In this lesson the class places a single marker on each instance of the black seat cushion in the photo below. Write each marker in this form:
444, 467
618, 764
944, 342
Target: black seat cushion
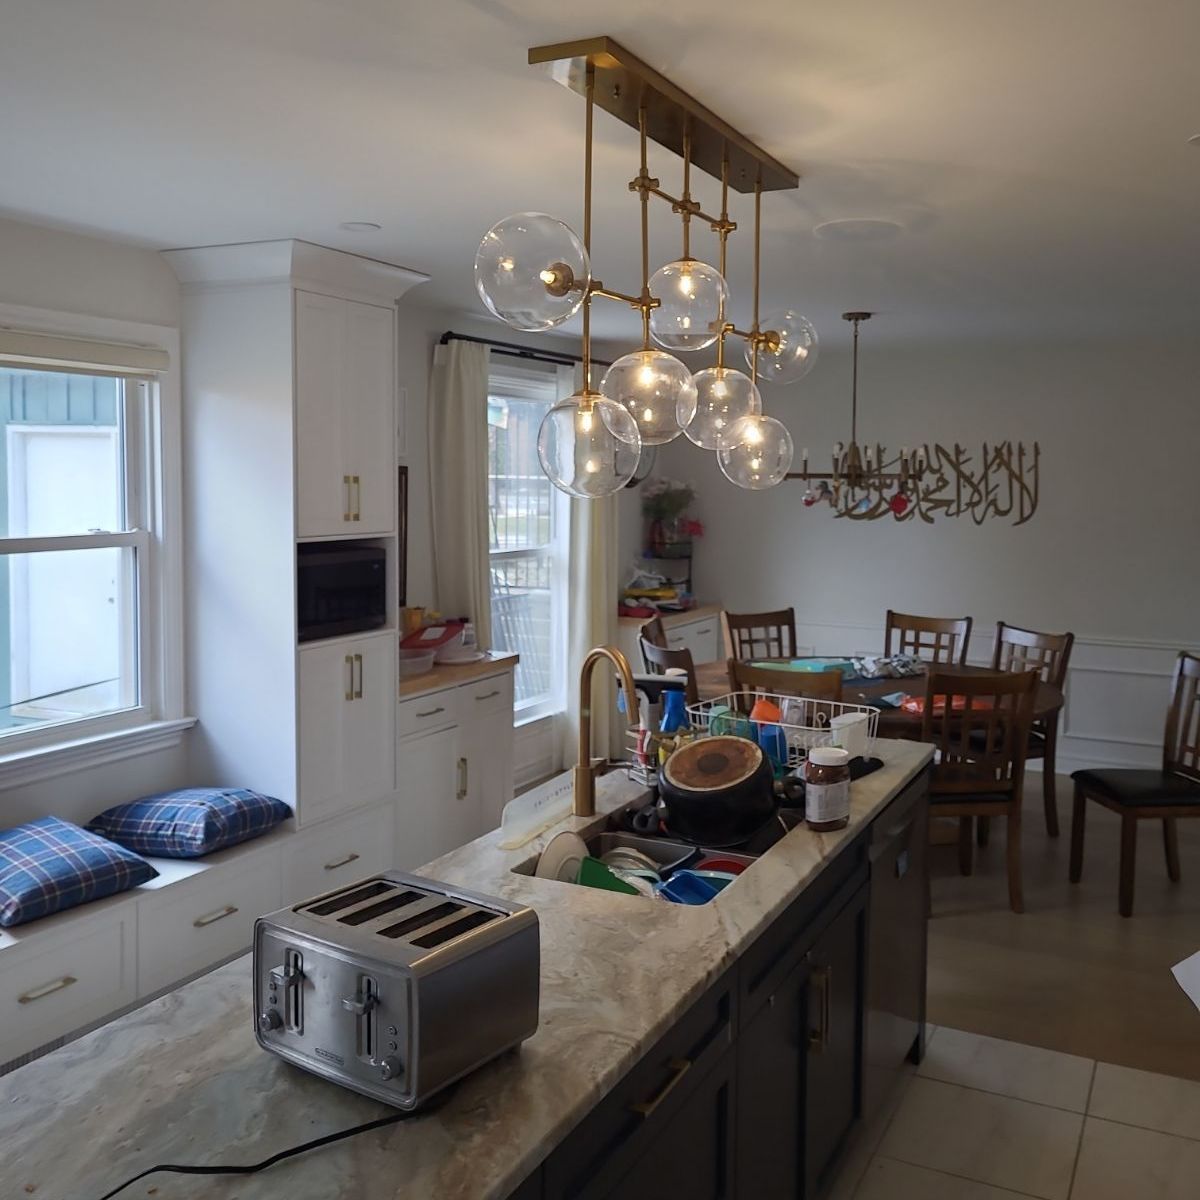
1140, 787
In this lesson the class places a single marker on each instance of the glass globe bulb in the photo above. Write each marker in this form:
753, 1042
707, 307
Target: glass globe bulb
532, 271
757, 454
692, 297
796, 353
589, 447
656, 388
723, 397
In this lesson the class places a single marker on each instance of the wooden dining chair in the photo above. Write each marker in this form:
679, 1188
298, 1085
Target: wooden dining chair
654, 632
810, 685
979, 726
1166, 794
659, 660
942, 641
759, 635
1019, 649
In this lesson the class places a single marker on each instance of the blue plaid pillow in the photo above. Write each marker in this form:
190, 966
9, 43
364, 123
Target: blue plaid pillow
49, 865
191, 822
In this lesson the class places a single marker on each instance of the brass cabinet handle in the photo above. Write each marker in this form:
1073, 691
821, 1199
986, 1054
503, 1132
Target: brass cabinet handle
433, 712
357, 498
347, 515
358, 695
462, 779
678, 1067
213, 917
818, 1039
46, 989
341, 862
350, 668
487, 696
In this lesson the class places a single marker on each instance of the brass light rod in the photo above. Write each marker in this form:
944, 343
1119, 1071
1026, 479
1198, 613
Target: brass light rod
624, 83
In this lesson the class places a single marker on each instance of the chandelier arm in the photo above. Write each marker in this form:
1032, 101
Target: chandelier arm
589, 105
723, 230
757, 266
645, 199
685, 201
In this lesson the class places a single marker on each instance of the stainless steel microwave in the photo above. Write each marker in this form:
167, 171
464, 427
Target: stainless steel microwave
340, 588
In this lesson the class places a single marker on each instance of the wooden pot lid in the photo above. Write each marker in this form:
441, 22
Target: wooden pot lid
712, 764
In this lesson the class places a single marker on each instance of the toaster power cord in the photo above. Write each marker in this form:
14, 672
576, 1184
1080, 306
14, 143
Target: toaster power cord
254, 1168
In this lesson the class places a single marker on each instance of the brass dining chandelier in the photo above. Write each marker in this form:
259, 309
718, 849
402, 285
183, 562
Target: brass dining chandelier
865, 481
533, 272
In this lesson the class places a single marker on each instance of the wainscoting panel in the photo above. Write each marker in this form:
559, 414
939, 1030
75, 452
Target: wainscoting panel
537, 751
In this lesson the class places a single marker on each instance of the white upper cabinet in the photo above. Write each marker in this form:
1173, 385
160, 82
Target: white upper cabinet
345, 416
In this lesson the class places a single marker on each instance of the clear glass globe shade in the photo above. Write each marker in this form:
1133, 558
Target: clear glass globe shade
692, 298
723, 397
532, 271
796, 353
655, 387
589, 449
758, 453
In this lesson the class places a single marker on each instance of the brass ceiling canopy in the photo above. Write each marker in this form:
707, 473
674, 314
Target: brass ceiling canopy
624, 84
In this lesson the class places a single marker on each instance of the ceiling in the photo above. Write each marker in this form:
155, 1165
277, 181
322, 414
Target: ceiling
1031, 159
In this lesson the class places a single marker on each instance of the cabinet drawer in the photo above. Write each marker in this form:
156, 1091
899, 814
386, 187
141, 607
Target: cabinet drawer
492, 694
68, 982
426, 713
337, 852
632, 1117
204, 920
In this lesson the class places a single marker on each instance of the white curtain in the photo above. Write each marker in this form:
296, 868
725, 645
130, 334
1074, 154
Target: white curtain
458, 484
593, 586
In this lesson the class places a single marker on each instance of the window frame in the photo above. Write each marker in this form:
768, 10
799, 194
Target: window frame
152, 461
518, 383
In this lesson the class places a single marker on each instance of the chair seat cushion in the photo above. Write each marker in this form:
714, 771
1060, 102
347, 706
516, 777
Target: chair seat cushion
1140, 787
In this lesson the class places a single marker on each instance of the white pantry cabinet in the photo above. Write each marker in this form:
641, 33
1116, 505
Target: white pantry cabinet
345, 416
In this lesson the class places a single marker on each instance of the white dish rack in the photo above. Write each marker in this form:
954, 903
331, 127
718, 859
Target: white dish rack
806, 725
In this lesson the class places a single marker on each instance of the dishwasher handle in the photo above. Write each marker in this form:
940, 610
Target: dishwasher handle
882, 844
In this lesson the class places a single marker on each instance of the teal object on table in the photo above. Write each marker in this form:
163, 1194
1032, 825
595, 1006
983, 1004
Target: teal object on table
811, 665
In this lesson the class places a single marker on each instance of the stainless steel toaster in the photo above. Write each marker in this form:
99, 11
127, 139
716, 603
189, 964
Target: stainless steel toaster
395, 986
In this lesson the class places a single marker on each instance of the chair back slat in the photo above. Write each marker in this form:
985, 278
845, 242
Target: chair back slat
759, 635
979, 725
937, 640
809, 685
1019, 649
654, 632
1181, 744
659, 660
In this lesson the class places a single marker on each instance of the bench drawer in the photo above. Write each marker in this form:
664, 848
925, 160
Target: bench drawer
337, 852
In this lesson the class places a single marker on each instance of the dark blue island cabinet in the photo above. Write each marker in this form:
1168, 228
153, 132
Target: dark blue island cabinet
755, 1091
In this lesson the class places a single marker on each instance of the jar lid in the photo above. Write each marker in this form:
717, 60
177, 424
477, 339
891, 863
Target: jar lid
829, 756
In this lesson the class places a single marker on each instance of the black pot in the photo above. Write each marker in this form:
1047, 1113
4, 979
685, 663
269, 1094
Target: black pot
718, 791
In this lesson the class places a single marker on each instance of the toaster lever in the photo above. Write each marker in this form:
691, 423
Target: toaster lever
360, 1004
284, 975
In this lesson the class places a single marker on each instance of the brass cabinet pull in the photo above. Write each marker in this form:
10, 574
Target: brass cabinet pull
818, 1039
358, 695
347, 515
433, 712
213, 917
357, 498
487, 695
678, 1067
341, 862
46, 989
350, 668
462, 779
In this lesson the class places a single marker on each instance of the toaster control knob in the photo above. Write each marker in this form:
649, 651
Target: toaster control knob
269, 1020
391, 1067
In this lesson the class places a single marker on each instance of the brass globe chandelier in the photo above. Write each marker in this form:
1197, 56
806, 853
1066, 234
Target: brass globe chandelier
533, 272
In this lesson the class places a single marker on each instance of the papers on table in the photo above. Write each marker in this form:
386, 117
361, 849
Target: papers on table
1187, 975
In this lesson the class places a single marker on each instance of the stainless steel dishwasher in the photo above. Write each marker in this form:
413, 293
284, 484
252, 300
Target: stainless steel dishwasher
897, 942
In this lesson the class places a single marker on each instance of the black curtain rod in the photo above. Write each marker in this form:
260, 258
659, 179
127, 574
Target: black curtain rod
514, 350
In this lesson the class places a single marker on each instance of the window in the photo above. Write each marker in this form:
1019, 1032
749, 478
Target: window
74, 553
529, 526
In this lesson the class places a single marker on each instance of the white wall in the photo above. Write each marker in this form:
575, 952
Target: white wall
1111, 552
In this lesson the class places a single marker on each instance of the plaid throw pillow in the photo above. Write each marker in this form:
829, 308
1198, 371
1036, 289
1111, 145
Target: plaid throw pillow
49, 865
191, 822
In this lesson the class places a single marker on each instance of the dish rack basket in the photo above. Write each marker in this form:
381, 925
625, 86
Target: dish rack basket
647, 773
805, 723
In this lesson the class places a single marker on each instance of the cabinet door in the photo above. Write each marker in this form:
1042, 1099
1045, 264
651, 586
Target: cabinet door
323, 493
428, 773
833, 1067
324, 695
490, 761
368, 408
369, 735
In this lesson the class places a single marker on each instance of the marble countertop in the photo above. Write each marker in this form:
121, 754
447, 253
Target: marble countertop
444, 675
182, 1080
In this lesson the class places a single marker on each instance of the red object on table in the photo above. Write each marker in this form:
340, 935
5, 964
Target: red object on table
916, 704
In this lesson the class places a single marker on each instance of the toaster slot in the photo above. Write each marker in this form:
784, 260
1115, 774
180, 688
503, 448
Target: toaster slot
293, 996
448, 932
361, 915
364, 1005
426, 917
346, 899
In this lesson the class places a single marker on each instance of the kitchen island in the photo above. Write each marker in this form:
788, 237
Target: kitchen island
181, 1080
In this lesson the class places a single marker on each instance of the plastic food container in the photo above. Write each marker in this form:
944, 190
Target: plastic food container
415, 662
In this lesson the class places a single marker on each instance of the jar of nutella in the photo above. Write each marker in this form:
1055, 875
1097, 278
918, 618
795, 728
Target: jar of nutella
827, 788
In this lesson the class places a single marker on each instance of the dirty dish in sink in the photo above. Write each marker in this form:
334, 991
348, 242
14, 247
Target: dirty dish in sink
685, 887
594, 874
562, 857
715, 862
719, 879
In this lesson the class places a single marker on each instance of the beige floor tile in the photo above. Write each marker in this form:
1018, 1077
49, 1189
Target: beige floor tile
1009, 1069
1158, 1102
1117, 1162
887, 1179
992, 1139
865, 1141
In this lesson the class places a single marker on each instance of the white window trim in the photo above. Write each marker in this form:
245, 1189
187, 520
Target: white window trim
160, 720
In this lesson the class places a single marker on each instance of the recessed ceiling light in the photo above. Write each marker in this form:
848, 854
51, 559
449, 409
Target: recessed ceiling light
359, 227
858, 229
